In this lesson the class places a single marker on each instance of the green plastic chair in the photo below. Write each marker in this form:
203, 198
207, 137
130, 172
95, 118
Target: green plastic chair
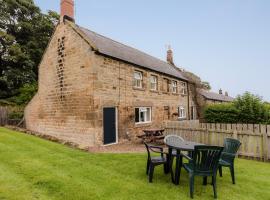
155, 161
204, 163
228, 155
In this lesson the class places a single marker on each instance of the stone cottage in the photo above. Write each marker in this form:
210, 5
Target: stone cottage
96, 91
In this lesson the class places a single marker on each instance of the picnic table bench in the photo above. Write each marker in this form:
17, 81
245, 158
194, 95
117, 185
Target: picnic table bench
152, 135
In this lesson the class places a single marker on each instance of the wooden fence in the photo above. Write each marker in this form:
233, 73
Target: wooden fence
3, 116
255, 138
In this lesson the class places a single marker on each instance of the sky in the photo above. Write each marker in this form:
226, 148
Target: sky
225, 42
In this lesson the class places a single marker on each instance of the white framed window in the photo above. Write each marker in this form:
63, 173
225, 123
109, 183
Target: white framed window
181, 112
143, 115
138, 79
183, 88
153, 82
174, 87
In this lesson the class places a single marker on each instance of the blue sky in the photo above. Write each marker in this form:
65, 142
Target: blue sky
225, 42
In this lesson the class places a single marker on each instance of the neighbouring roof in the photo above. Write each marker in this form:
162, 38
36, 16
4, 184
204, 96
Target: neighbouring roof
123, 52
214, 96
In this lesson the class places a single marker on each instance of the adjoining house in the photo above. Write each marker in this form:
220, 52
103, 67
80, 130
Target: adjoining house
205, 97
94, 90
208, 97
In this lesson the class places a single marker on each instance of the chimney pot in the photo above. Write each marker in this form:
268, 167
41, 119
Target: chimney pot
220, 91
170, 56
67, 9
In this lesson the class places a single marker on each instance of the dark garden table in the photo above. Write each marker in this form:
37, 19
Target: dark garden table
178, 146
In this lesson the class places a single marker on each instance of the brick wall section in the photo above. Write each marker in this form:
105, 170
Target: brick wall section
75, 84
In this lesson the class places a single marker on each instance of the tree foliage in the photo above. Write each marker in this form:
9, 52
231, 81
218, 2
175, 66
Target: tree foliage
247, 108
24, 35
206, 85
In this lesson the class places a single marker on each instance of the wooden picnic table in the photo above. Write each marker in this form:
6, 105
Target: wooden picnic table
152, 135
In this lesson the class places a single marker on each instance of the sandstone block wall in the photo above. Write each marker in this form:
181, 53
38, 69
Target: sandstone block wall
75, 84
64, 100
114, 88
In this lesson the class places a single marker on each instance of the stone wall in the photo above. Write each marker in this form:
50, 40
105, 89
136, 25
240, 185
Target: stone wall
114, 88
75, 84
63, 105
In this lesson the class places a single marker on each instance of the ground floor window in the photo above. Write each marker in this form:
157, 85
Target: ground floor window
181, 112
143, 115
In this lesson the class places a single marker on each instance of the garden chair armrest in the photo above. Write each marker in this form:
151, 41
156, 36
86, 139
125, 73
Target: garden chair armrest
187, 157
228, 154
156, 149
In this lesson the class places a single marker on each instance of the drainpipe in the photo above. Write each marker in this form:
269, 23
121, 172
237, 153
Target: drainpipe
188, 101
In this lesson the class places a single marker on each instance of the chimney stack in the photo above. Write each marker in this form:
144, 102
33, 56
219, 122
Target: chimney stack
220, 91
67, 10
226, 94
170, 56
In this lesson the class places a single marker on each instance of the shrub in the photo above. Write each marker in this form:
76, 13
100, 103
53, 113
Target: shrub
247, 108
221, 113
251, 109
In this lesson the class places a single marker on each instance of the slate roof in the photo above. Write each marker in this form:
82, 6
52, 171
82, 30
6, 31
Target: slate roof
214, 96
123, 52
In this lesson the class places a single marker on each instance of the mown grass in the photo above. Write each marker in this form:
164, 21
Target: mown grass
33, 168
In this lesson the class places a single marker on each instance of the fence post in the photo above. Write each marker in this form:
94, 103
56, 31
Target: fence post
235, 134
264, 143
265, 147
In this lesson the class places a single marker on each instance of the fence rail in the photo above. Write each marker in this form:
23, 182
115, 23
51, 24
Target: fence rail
255, 138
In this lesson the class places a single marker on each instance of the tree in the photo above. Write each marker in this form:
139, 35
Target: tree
206, 85
24, 35
251, 108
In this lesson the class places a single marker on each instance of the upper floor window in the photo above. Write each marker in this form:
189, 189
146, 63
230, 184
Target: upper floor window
193, 113
166, 85
182, 112
183, 88
138, 79
143, 115
174, 87
153, 82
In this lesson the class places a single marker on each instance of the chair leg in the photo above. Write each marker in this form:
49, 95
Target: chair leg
205, 180
147, 167
151, 172
214, 186
232, 174
220, 170
166, 168
191, 185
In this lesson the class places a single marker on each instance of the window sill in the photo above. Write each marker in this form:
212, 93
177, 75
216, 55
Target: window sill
183, 95
154, 91
136, 88
166, 92
142, 124
182, 118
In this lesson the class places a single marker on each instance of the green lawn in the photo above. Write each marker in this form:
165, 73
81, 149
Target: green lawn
33, 168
